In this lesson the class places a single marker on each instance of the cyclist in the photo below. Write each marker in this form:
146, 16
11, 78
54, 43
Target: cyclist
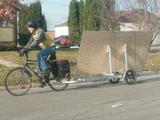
47, 47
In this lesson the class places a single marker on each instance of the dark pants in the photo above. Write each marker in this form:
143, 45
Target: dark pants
42, 58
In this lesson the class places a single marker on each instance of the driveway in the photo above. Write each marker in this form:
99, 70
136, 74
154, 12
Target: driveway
8, 63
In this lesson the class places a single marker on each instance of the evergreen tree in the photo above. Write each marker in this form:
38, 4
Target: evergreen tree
110, 22
86, 13
92, 19
44, 23
73, 22
32, 12
23, 20
91, 15
81, 17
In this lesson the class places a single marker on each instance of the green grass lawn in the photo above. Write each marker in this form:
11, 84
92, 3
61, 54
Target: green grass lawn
14, 58
3, 73
153, 61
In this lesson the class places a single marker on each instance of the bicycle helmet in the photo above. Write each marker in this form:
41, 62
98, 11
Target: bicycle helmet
32, 24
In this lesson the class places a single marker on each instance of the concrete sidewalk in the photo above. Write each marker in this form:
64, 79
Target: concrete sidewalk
8, 63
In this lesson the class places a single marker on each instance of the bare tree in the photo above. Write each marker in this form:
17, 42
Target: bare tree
147, 14
108, 15
8, 10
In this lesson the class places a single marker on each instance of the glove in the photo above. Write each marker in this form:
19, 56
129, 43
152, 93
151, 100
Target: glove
23, 52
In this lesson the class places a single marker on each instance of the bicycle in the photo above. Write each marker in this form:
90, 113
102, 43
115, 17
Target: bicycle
18, 81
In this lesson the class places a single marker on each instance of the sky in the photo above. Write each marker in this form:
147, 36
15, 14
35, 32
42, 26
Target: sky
55, 11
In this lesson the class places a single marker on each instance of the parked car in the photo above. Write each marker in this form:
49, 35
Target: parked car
63, 42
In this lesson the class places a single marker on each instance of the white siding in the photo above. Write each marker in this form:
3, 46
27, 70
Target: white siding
59, 31
128, 27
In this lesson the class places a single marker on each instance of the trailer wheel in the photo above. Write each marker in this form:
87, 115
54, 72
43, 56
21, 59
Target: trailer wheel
114, 80
130, 77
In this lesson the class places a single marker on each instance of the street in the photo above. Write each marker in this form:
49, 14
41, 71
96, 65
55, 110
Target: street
92, 101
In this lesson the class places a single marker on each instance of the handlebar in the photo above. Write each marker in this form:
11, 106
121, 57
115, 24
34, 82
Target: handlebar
25, 56
28, 61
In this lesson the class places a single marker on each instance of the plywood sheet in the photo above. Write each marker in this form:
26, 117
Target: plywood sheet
111, 43
142, 47
131, 49
123, 39
93, 58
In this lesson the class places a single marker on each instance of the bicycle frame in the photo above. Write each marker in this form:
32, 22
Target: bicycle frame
28, 68
25, 72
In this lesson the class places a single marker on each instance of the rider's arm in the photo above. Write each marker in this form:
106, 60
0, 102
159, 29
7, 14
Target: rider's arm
34, 41
29, 43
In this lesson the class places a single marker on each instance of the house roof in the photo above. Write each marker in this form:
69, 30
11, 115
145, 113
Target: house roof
134, 16
19, 6
62, 24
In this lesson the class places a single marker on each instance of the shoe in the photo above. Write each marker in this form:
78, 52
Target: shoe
45, 76
44, 81
42, 84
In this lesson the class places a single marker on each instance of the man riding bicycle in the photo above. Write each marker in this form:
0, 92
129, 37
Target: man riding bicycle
47, 47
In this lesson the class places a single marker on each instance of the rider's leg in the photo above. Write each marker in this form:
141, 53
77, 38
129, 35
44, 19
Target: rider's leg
42, 58
55, 69
54, 64
38, 69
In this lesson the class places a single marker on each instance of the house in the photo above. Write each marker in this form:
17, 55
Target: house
130, 19
62, 35
9, 10
135, 20
61, 30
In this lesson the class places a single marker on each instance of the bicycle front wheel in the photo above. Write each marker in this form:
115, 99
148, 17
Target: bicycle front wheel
18, 81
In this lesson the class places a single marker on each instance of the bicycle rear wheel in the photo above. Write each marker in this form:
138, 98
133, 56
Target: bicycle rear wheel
61, 84
18, 81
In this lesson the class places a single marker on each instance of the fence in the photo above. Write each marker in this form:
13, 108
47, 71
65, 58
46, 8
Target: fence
7, 37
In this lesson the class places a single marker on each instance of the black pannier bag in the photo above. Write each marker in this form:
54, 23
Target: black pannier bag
60, 68
63, 68
54, 68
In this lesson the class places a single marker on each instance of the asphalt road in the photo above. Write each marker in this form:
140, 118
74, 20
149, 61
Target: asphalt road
97, 101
